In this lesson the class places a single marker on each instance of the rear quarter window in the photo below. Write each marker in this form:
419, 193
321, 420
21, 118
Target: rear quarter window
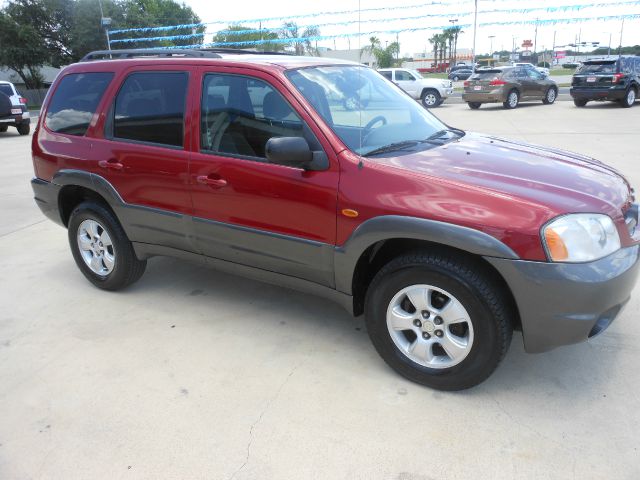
6, 89
75, 101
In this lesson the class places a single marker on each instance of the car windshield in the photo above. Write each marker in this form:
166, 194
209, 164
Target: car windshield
365, 110
601, 67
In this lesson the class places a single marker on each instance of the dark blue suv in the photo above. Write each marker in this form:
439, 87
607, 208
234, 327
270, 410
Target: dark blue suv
616, 80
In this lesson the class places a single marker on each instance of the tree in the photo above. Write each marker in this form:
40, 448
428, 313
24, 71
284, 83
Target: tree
228, 36
22, 50
298, 38
435, 42
455, 32
385, 57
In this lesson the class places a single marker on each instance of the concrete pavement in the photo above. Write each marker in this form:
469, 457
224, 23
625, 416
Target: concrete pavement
194, 374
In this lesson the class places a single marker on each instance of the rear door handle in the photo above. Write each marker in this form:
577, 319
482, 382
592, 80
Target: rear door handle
212, 182
111, 164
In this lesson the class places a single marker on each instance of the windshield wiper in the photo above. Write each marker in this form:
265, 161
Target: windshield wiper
440, 133
392, 147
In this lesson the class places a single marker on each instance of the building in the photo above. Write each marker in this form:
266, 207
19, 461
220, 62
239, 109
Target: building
9, 75
359, 55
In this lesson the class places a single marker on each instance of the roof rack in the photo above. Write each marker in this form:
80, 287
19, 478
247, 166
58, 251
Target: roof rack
152, 52
170, 52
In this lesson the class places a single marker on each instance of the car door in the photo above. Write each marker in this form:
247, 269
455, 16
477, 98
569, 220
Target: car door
537, 84
407, 82
142, 153
247, 210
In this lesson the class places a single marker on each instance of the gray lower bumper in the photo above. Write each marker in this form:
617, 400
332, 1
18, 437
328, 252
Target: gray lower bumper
46, 196
562, 303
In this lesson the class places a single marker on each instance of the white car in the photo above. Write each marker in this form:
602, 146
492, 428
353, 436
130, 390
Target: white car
430, 91
13, 109
544, 71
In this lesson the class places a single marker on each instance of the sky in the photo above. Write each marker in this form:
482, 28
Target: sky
423, 16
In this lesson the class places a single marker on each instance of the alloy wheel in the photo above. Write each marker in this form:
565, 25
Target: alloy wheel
96, 247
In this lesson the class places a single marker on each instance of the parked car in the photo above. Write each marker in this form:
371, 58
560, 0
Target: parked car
614, 80
509, 85
13, 109
543, 70
446, 240
461, 74
430, 91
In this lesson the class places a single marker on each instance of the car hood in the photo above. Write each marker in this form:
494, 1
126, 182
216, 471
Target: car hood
563, 181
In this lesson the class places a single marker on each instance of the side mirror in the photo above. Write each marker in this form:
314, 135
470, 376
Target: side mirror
295, 152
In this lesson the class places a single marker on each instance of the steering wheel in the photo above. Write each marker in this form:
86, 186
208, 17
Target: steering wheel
369, 126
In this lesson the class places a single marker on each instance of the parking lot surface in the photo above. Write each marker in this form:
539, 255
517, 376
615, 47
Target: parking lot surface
192, 374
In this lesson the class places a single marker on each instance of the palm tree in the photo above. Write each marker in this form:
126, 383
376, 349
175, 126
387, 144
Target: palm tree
435, 41
456, 32
448, 38
300, 45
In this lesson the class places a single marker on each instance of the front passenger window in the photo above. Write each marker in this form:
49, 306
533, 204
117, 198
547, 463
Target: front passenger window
240, 114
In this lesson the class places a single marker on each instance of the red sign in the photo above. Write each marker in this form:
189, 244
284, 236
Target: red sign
527, 44
561, 54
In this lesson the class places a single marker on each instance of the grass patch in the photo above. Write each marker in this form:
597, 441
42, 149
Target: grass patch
562, 71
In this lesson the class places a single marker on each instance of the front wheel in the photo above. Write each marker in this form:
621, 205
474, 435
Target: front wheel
431, 98
474, 105
550, 96
512, 100
629, 99
101, 248
438, 321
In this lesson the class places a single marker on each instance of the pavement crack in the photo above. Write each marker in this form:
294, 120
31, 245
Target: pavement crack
22, 228
259, 419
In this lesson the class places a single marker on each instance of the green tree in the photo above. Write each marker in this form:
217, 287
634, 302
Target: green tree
298, 44
385, 57
22, 50
455, 32
227, 35
435, 42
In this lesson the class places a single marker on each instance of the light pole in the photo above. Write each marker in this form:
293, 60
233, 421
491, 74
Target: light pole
453, 21
491, 37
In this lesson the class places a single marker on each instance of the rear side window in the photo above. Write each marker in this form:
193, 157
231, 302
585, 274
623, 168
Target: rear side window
6, 89
75, 101
386, 75
599, 67
150, 108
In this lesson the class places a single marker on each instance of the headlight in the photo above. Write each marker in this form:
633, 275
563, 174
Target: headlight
580, 237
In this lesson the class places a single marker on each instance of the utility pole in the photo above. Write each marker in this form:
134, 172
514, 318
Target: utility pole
553, 49
621, 30
105, 23
535, 41
475, 31
609, 52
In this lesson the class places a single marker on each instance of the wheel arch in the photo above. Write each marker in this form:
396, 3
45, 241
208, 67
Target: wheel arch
376, 241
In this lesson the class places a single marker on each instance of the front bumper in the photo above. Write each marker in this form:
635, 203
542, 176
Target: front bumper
565, 303
598, 93
46, 196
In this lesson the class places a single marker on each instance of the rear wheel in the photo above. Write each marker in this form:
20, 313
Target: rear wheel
550, 96
24, 129
3, 128
474, 105
579, 102
431, 98
629, 98
101, 248
437, 320
513, 98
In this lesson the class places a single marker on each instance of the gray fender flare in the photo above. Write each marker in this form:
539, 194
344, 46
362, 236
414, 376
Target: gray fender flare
390, 227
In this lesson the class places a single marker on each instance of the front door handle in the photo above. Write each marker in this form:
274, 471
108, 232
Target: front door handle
112, 164
212, 182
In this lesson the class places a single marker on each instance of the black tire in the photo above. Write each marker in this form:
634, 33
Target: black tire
629, 98
579, 102
127, 269
474, 105
3, 128
24, 129
550, 96
508, 104
478, 292
431, 98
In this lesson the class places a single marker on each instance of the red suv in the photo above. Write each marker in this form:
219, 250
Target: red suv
446, 240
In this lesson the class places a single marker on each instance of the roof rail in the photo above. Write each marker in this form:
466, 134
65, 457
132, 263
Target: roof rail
240, 51
153, 52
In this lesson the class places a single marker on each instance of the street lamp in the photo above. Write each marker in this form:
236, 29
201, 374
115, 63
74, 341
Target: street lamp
491, 37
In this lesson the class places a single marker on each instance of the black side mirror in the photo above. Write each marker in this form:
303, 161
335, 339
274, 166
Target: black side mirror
295, 152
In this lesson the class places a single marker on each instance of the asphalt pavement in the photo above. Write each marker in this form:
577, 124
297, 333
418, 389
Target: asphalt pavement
195, 374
